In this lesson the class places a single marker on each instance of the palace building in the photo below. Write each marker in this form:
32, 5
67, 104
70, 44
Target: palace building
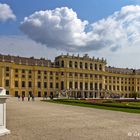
80, 77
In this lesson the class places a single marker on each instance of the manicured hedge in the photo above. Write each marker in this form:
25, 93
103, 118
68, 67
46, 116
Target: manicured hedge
99, 104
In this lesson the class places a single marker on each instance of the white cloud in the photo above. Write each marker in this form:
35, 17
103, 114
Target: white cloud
22, 46
62, 29
6, 12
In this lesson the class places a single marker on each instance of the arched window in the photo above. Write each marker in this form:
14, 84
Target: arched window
76, 64
100, 67
62, 85
86, 65
70, 64
96, 68
100, 86
81, 65
70, 85
91, 66
62, 63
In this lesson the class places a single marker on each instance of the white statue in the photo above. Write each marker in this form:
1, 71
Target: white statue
2, 91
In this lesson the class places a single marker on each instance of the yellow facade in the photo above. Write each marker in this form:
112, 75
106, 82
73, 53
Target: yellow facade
82, 77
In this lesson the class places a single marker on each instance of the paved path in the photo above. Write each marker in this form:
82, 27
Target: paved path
47, 121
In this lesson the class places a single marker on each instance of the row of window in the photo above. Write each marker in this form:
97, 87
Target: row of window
86, 85
23, 84
85, 75
82, 65
39, 77
122, 82
39, 84
119, 78
122, 88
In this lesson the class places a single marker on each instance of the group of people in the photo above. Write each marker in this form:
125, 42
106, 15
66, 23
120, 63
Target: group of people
29, 97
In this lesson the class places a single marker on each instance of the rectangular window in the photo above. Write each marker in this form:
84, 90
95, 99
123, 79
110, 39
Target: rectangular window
16, 83
7, 68
7, 83
118, 88
39, 72
16, 76
30, 84
91, 86
91, 76
30, 71
16, 70
81, 85
86, 86
114, 88
96, 86
70, 74
70, 85
125, 88
76, 85
57, 85
51, 85
16, 93
62, 85
45, 84
100, 86
23, 71
23, 83
39, 84
81, 75
96, 76
122, 88
7, 74
86, 75
30, 77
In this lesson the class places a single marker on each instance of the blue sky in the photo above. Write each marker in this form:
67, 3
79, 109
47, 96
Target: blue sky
14, 34
92, 10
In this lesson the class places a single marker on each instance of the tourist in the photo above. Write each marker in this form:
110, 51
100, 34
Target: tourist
18, 97
33, 97
28, 97
23, 97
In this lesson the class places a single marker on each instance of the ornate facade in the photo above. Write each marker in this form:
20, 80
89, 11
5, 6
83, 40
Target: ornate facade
80, 77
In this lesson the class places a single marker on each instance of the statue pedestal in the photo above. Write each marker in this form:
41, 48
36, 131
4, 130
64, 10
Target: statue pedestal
3, 129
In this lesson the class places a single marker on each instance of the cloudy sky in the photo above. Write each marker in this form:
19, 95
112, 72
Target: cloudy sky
44, 28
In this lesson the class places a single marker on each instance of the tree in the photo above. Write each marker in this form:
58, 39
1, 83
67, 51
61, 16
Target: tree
134, 95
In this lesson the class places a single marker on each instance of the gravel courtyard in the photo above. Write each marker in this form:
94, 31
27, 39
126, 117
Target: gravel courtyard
47, 121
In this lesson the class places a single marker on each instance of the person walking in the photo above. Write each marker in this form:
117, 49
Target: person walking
28, 97
23, 97
18, 97
33, 97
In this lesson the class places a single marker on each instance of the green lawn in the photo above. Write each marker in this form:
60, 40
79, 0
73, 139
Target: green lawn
131, 107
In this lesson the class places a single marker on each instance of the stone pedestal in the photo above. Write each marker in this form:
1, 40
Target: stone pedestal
3, 98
